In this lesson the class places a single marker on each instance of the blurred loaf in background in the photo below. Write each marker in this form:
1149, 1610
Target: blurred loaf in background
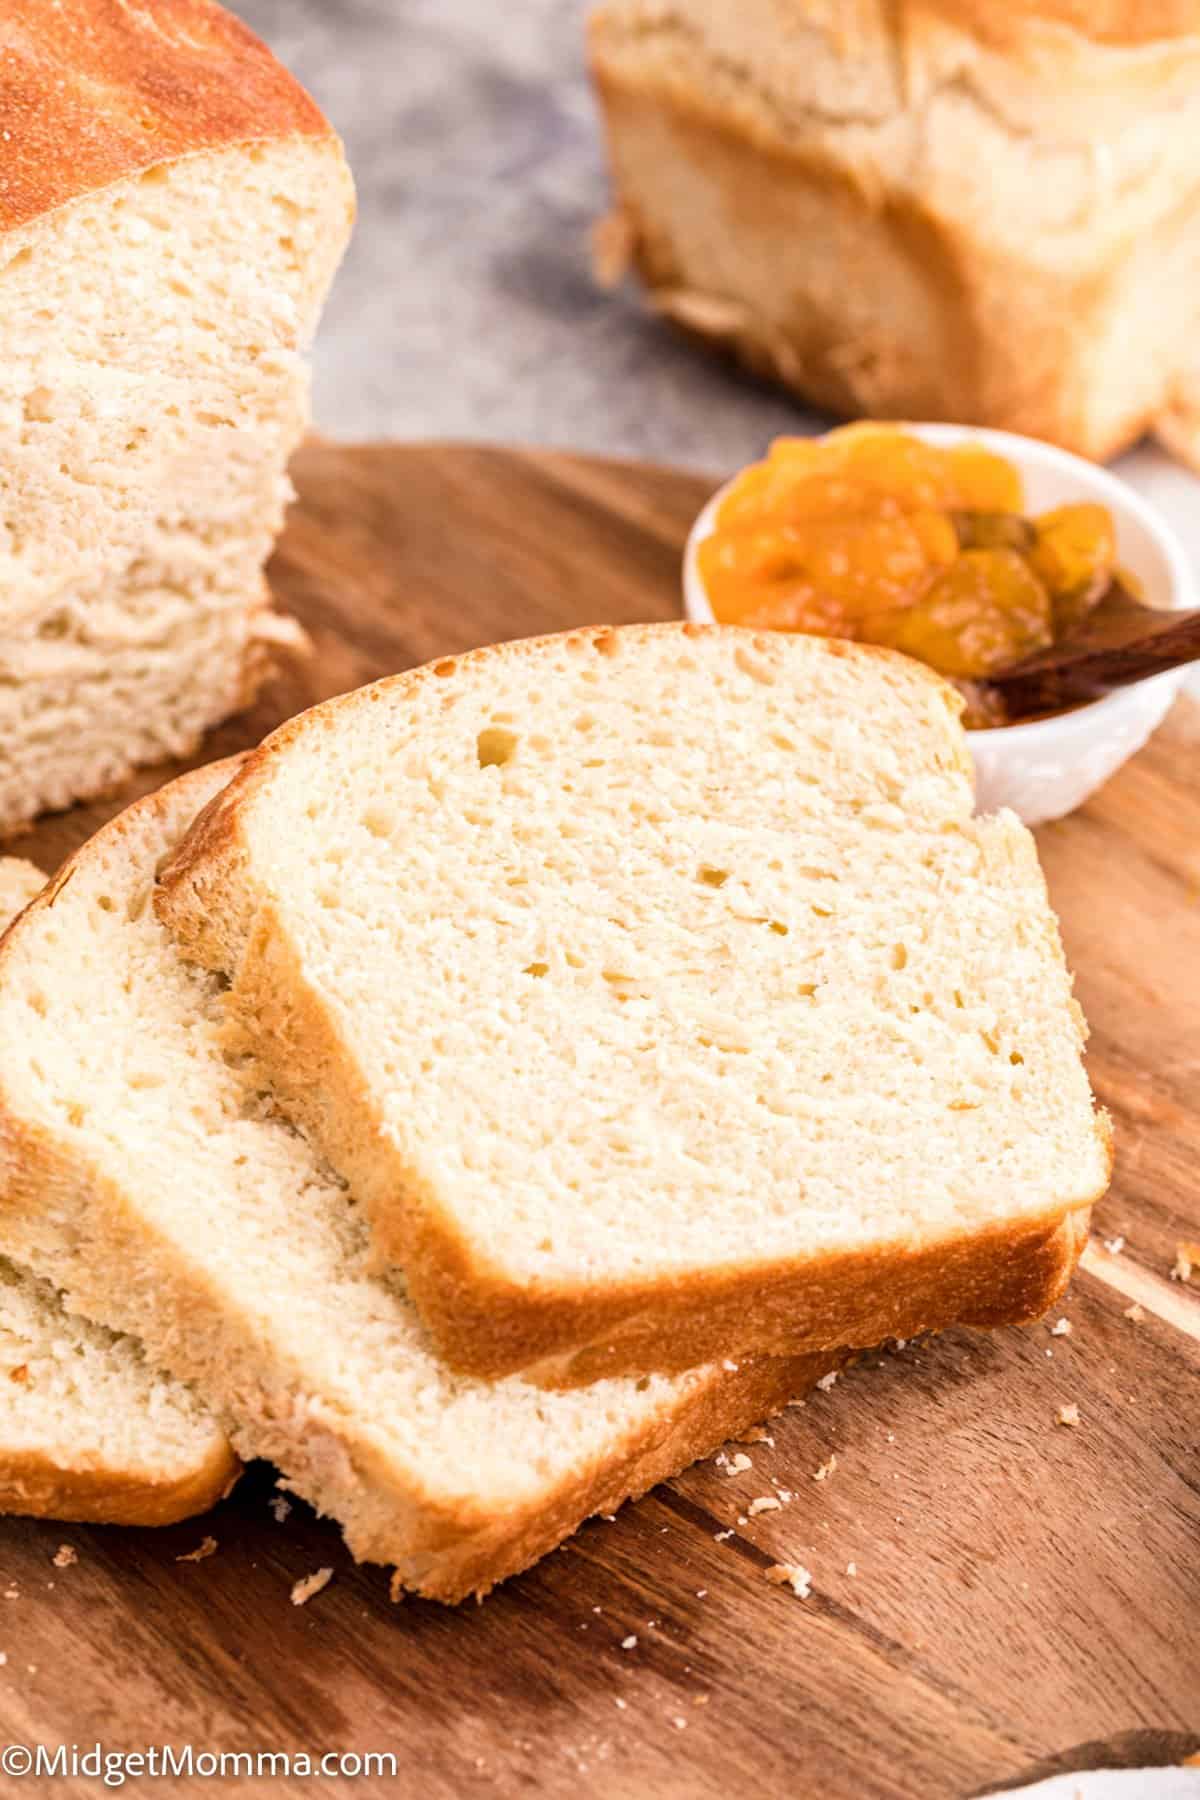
931, 209
172, 209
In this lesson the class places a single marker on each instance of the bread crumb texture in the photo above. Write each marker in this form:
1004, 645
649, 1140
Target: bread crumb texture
145, 467
303, 1591
1187, 1258
204, 1549
792, 1575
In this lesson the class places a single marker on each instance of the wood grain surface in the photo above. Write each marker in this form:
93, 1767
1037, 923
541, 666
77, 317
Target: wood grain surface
1024, 1598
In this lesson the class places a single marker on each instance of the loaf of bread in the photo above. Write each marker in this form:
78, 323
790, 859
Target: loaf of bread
975, 210
88, 1431
144, 1168
659, 997
172, 210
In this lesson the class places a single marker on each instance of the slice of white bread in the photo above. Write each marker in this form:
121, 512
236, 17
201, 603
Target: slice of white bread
659, 998
173, 211
87, 1430
146, 1173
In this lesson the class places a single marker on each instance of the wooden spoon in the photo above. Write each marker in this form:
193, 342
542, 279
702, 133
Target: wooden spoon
1119, 641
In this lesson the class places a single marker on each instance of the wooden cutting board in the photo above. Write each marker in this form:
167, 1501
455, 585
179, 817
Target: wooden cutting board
994, 1596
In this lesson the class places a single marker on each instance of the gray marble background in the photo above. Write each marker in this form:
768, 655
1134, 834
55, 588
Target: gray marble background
466, 306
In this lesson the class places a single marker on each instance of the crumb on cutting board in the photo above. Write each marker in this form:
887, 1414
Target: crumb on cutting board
1135, 1312
1068, 1414
1187, 1258
64, 1556
826, 1469
793, 1575
1061, 1328
206, 1547
304, 1589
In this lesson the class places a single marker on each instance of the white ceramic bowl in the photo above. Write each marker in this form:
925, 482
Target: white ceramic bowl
1049, 766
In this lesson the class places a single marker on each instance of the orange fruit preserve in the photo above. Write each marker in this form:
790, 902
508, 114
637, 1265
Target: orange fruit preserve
870, 533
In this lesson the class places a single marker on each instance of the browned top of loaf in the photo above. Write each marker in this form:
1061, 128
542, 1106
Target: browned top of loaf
1119, 23
93, 91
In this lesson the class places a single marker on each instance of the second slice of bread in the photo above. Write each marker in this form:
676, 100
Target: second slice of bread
88, 1430
143, 1170
659, 997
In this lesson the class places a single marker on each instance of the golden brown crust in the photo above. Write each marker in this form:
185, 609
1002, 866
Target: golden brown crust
490, 1327
94, 91
1123, 24
33, 1484
724, 1406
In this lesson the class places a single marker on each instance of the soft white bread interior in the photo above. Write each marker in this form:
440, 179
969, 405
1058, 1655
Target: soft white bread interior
131, 673
146, 1172
152, 370
659, 997
176, 212
919, 208
88, 1431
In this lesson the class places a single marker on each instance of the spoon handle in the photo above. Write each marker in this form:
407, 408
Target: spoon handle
1129, 644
